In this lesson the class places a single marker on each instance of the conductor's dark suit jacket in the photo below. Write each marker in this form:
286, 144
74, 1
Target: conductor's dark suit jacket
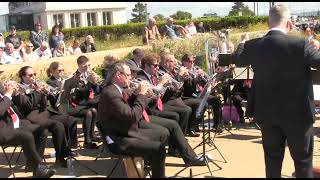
283, 92
119, 119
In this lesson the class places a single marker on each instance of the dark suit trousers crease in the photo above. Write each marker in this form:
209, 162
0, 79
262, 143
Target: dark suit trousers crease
178, 106
153, 150
176, 138
194, 104
24, 136
70, 127
53, 126
300, 142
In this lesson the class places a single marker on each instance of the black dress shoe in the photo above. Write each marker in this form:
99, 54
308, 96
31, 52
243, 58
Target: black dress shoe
43, 172
90, 145
196, 129
192, 134
196, 162
96, 139
73, 154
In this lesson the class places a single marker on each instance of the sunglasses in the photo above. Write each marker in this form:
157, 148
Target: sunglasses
190, 61
154, 65
31, 75
30, 46
60, 70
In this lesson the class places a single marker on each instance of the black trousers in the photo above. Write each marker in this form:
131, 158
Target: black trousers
176, 139
55, 127
152, 147
89, 120
177, 105
194, 103
70, 127
215, 102
300, 142
29, 136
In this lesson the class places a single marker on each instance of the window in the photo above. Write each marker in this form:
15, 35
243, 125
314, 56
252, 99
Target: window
75, 20
91, 18
58, 19
106, 18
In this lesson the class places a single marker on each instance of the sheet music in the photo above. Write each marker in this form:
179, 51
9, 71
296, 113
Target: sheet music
316, 92
242, 73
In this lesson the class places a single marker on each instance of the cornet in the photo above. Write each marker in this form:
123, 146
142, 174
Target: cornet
174, 82
134, 84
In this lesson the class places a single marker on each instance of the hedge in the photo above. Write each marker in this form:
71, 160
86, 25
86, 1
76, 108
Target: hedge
120, 30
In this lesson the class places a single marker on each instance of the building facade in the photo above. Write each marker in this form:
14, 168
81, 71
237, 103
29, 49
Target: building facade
66, 14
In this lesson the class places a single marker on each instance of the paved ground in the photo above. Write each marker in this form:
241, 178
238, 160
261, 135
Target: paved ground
242, 150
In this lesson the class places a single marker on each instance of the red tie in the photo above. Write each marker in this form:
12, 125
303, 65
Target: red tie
12, 114
160, 104
91, 95
144, 114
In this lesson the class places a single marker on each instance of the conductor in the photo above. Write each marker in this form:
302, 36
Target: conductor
283, 94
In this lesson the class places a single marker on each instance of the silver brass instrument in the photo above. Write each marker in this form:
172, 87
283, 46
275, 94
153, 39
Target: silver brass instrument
174, 82
134, 84
85, 77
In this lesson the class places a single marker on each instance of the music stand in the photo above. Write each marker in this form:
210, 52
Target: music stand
316, 89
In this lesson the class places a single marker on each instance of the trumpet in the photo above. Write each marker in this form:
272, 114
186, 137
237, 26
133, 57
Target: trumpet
174, 82
92, 77
134, 84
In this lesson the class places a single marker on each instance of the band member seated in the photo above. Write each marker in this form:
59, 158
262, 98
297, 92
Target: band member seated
122, 117
70, 104
32, 105
194, 86
175, 94
55, 73
178, 145
150, 67
16, 131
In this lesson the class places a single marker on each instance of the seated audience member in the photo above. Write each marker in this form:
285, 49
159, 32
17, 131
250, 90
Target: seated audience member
170, 29
2, 42
38, 36
1, 54
200, 28
55, 37
11, 56
108, 61
16, 131
191, 28
14, 39
127, 124
29, 54
151, 33
44, 51
75, 48
309, 34
88, 45
60, 50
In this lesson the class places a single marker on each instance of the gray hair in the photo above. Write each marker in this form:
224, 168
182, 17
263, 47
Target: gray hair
116, 67
278, 14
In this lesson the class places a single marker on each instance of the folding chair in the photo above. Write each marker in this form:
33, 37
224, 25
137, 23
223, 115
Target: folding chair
3, 147
119, 157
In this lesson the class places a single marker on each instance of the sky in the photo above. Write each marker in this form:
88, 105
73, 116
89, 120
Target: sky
197, 9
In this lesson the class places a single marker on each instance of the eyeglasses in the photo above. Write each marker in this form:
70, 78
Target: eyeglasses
31, 75
127, 75
154, 65
60, 70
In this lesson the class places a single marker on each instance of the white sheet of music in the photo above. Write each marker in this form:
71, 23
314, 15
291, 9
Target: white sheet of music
242, 73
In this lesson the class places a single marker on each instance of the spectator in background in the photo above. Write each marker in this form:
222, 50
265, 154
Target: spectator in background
88, 45
44, 51
14, 39
75, 48
315, 43
308, 33
60, 50
201, 29
151, 32
1, 54
170, 29
29, 54
191, 28
37, 36
2, 43
11, 56
56, 36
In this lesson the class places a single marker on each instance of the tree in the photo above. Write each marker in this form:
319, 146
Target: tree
181, 15
139, 13
240, 7
159, 17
